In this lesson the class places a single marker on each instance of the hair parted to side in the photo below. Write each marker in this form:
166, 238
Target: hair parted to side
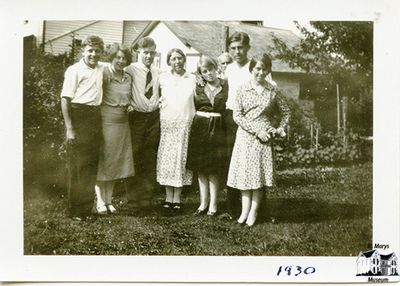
112, 50
93, 41
175, 50
206, 61
239, 37
145, 42
266, 61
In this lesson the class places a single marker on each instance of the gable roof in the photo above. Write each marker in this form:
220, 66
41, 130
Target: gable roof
387, 256
206, 37
368, 253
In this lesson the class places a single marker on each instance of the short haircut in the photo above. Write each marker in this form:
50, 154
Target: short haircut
112, 50
145, 42
207, 62
93, 41
266, 61
225, 55
176, 50
239, 37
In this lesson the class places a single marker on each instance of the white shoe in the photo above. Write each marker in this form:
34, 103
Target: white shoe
102, 210
111, 209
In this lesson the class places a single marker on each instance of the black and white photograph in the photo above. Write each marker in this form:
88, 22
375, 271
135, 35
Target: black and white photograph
236, 148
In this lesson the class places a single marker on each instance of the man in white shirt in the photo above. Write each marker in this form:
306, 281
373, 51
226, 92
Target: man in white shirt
80, 99
145, 124
236, 73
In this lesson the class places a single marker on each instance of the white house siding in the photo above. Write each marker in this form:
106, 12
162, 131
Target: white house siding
132, 29
109, 31
166, 40
288, 83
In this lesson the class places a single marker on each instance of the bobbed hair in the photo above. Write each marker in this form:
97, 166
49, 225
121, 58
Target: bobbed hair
264, 59
207, 62
225, 55
113, 49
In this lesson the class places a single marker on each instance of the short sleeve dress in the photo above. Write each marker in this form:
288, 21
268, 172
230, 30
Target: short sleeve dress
208, 153
176, 115
115, 159
251, 165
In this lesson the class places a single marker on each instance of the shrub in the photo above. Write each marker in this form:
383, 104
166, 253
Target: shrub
43, 131
331, 152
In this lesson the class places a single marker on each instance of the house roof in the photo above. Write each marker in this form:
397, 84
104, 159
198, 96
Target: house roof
387, 256
368, 253
206, 37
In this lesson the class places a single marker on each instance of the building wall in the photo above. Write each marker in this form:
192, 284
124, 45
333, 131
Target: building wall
132, 29
166, 40
288, 83
109, 31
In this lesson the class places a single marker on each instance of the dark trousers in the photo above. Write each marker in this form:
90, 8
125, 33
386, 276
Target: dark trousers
145, 131
233, 195
82, 158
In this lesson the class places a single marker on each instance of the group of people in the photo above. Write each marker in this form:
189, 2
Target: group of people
149, 127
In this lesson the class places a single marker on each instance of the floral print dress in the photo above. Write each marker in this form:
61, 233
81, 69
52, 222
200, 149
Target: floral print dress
251, 165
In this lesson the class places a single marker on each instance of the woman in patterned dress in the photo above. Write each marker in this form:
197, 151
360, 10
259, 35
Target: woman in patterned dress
251, 167
207, 145
116, 159
176, 115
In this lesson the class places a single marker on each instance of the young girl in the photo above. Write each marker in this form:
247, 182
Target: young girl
207, 146
251, 167
176, 115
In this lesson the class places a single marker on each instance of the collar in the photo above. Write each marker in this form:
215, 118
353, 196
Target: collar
250, 86
142, 66
185, 75
83, 64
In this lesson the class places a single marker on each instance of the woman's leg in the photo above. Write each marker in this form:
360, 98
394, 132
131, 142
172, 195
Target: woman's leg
246, 202
108, 195
169, 194
99, 189
177, 195
255, 203
214, 189
203, 185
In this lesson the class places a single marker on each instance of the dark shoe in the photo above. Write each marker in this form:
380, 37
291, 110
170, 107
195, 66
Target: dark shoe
167, 205
200, 212
176, 207
212, 214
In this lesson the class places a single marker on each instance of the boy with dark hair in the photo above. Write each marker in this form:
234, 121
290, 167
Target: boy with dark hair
145, 124
80, 99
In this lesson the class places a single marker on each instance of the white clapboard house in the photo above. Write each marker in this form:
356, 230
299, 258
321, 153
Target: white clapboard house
373, 263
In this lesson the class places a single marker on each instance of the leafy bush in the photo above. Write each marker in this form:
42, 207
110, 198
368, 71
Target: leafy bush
330, 152
43, 130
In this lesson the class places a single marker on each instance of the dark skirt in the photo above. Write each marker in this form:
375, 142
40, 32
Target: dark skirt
208, 153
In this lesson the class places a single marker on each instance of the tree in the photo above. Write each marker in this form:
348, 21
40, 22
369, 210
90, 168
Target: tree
342, 52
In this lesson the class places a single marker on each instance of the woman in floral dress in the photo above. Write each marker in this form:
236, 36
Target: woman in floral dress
176, 115
251, 167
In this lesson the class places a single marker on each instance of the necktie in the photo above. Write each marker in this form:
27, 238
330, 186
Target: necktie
149, 86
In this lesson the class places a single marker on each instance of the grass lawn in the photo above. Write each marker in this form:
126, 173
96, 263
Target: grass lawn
315, 212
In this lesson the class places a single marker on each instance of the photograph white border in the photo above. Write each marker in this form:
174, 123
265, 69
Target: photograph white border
14, 266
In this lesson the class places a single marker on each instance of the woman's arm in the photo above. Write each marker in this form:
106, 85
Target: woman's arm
251, 127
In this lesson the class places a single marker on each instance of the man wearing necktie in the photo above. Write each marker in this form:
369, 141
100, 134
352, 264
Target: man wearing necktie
145, 124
